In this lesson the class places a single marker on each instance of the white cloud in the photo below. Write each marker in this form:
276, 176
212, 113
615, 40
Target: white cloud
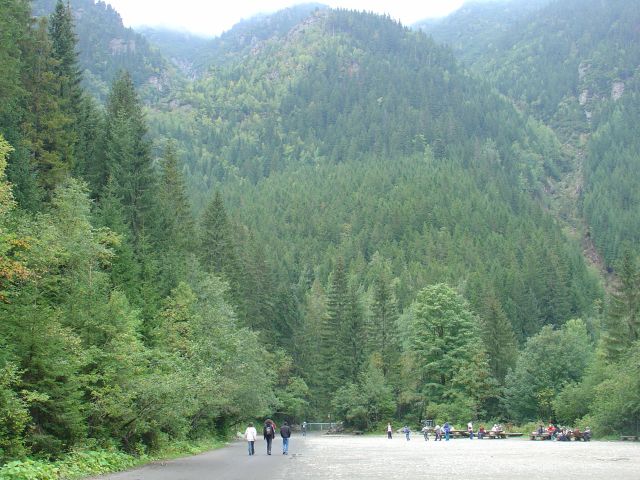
214, 17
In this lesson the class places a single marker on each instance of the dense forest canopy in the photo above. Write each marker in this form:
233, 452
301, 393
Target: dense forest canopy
575, 65
319, 212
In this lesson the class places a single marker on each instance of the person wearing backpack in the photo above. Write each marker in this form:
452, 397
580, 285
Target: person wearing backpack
285, 433
269, 433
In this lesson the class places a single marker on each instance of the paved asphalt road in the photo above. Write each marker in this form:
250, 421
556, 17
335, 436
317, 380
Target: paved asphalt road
319, 457
230, 463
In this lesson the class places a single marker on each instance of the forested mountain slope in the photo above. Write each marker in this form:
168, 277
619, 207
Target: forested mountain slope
475, 29
574, 64
197, 55
105, 46
358, 97
332, 90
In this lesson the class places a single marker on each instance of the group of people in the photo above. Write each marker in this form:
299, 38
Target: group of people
564, 434
439, 431
269, 433
444, 431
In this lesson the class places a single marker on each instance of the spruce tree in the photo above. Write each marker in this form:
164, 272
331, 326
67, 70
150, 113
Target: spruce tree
16, 34
67, 77
309, 341
333, 346
353, 336
90, 143
64, 42
622, 323
382, 328
49, 128
175, 233
125, 270
217, 248
216, 241
128, 159
498, 338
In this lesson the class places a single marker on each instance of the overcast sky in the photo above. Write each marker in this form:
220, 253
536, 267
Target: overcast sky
212, 17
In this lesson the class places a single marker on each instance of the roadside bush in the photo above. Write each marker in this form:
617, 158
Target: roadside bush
76, 465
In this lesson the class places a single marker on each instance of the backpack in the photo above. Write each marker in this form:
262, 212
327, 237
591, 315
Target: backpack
268, 429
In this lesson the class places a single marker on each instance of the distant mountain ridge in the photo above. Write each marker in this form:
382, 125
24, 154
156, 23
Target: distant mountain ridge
105, 46
196, 54
472, 30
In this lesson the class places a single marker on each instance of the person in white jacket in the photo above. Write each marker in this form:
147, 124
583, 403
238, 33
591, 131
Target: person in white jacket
250, 434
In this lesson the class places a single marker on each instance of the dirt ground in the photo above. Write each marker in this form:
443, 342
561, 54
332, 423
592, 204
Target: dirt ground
356, 457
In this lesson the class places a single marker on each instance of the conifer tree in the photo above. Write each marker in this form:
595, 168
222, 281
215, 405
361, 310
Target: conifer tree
128, 159
15, 39
49, 128
498, 338
258, 290
622, 323
217, 247
382, 329
309, 340
353, 336
333, 352
125, 270
64, 41
90, 143
216, 242
175, 235
15, 32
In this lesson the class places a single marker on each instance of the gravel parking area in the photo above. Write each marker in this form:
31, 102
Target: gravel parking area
376, 457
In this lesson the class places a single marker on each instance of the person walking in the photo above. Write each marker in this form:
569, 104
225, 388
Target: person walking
425, 432
407, 432
285, 433
470, 430
389, 431
438, 433
250, 434
447, 430
304, 429
269, 433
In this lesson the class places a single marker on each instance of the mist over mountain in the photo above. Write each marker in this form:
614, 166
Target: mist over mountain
196, 54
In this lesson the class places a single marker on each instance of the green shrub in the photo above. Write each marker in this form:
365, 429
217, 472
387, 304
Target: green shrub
83, 463
29, 470
76, 465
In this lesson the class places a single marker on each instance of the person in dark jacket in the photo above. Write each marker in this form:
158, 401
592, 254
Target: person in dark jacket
269, 433
285, 433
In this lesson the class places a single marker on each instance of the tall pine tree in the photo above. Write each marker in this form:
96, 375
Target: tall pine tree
128, 159
333, 348
49, 128
622, 323
382, 326
175, 235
